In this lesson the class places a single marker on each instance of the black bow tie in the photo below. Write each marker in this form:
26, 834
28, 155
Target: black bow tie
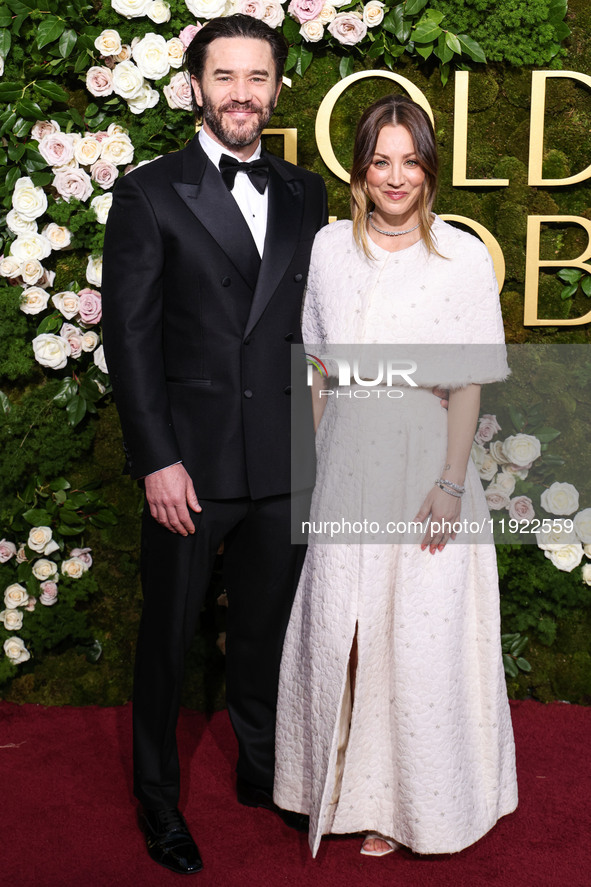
257, 172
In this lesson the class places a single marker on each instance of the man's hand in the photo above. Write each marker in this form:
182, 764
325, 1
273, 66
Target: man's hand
168, 492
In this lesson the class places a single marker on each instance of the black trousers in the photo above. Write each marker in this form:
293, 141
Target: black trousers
261, 570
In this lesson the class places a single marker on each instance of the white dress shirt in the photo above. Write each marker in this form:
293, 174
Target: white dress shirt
252, 205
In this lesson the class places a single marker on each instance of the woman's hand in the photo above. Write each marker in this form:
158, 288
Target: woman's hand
442, 510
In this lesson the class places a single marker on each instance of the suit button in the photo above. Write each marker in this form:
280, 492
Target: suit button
287, 389
247, 392
226, 281
289, 337
297, 277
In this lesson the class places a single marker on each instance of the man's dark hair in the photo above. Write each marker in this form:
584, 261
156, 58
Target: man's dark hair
238, 25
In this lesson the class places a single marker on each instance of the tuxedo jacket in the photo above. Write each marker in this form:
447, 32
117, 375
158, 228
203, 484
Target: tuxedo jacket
198, 330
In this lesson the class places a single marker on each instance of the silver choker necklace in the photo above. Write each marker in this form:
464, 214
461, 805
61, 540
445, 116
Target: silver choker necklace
389, 233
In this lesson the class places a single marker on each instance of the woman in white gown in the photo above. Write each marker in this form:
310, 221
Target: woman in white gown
393, 717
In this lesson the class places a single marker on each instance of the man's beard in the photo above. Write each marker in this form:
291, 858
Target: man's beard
236, 134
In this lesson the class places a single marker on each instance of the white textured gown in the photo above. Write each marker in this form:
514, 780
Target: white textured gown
427, 755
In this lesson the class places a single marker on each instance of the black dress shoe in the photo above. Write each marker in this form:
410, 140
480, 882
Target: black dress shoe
257, 796
169, 841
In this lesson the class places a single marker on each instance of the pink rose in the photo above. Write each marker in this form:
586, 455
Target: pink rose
99, 80
48, 593
30, 605
178, 92
103, 173
90, 308
44, 128
84, 555
73, 336
73, 183
57, 149
305, 10
348, 28
521, 508
254, 8
487, 428
496, 499
7, 550
21, 555
187, 34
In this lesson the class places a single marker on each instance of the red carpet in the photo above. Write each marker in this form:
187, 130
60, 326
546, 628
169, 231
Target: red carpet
67, 815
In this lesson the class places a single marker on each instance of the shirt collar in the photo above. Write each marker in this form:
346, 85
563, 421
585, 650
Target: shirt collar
214, 150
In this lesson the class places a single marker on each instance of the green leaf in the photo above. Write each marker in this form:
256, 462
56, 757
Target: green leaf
292, 57
10, 91
104, 518
67, 390
50, 324
22, 128
376, 50
67, 43
41, 179
557, 10
570, 275
545, 435
586, 285
517, 418
523, 664
426, 32
569, 291
425, 51
291, 30
15, 152
432, 15
442, 50
37, 517
59, 483
414, 6
453, 43
5, 38
49, 30
65, 530
471, 48
4, 403
304, 61
52, 91
510, 666
346, 66
8, 123
76, 410
82, 62
5, 17
396, 24
444, 73
30, 110
561, 31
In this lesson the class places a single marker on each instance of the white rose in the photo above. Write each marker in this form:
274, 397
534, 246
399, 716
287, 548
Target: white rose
521, 449
587, 550
586, 571
116, 129
515, 470
57, 149
124, 55
117, 149
73, 183
176, 51
496, 451
67, 303
273, 13
348, 28
560, 499
51, 351
101, 206
556, 537
34, 300
30, 246
94, 270
373, 13
487, 468
108, 42
7, 550
29, 202
10, 267
58, 235
496, 499
87, 151
582, 525
18, 225
39, 539
44, 128
89, 341
327, 14
151, 56
566, 557
312, 31
32, 271
131, 8
16, 651
99, 359
12, 619
15, 595
148, 98
206, 8
178, 92
159, 12
74, 567
44, 569
504, 481
478, 454
128, 80
84, 555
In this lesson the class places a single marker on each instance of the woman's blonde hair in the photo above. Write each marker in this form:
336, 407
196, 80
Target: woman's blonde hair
395, 110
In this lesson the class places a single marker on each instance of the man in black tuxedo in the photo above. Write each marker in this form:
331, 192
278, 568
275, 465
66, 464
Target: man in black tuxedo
205, 263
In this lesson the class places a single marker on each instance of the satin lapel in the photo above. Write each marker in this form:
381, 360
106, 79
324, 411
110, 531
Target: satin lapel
211, 203
286, 205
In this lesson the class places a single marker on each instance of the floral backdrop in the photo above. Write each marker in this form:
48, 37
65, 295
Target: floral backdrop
87, 93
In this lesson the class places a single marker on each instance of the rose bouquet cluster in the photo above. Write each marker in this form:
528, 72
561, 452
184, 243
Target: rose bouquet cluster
42, 586
84, 167
506, 463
